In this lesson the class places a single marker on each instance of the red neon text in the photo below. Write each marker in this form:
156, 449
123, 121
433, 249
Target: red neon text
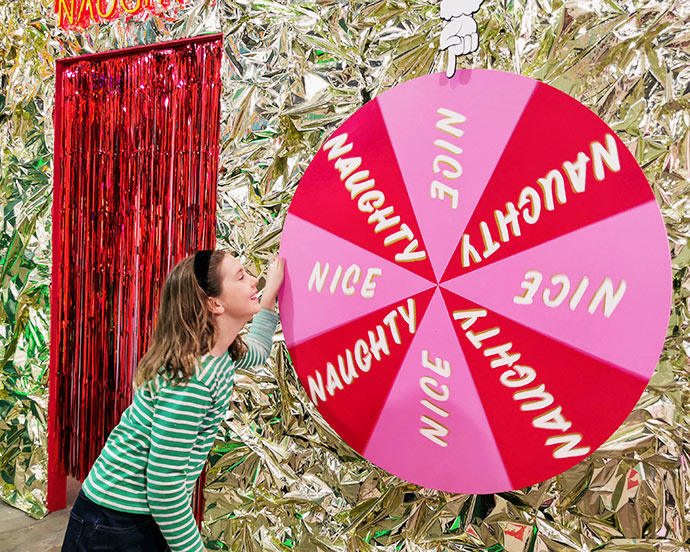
82, 13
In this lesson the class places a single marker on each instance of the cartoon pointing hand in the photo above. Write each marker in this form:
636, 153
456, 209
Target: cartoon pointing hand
460, 35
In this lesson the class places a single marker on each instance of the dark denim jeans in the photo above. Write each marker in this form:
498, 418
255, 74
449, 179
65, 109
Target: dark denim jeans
96, 528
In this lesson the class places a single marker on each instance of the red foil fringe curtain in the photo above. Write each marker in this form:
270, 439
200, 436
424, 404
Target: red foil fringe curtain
136, 164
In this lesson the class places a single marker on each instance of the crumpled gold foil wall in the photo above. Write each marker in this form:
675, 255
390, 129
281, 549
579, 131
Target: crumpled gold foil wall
278, 477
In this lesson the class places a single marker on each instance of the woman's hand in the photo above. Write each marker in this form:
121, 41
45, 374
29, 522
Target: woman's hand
274, 279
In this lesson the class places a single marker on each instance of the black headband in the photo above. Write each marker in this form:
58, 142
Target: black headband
202, 259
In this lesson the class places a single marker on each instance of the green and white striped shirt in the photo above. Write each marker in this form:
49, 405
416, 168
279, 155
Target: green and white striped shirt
153, 457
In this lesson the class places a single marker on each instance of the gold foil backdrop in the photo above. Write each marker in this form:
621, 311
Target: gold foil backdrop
278, 477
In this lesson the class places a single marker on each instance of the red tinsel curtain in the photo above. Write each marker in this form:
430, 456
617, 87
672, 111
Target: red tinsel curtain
136, 164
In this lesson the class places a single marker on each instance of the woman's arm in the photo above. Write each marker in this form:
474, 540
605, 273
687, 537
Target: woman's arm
274, 279
177, 417
259, 339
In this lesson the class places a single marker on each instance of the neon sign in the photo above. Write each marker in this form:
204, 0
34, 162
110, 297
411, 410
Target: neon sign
82, 13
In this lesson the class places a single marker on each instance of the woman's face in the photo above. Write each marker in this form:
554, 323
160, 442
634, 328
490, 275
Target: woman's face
239, 296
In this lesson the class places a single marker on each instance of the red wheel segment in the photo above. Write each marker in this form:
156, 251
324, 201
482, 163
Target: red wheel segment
562, 169
549, 405
354, 189
348, 372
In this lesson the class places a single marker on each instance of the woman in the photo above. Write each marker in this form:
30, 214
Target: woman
137, 494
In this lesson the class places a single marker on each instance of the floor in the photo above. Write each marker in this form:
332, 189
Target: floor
20, 533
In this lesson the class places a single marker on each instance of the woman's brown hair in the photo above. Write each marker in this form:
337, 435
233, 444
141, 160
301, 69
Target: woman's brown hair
185, 329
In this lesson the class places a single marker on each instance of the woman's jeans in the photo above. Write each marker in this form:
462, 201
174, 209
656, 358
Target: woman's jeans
96, 528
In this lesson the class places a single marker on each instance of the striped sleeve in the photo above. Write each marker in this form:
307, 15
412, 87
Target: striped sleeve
177, 417
259, 339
